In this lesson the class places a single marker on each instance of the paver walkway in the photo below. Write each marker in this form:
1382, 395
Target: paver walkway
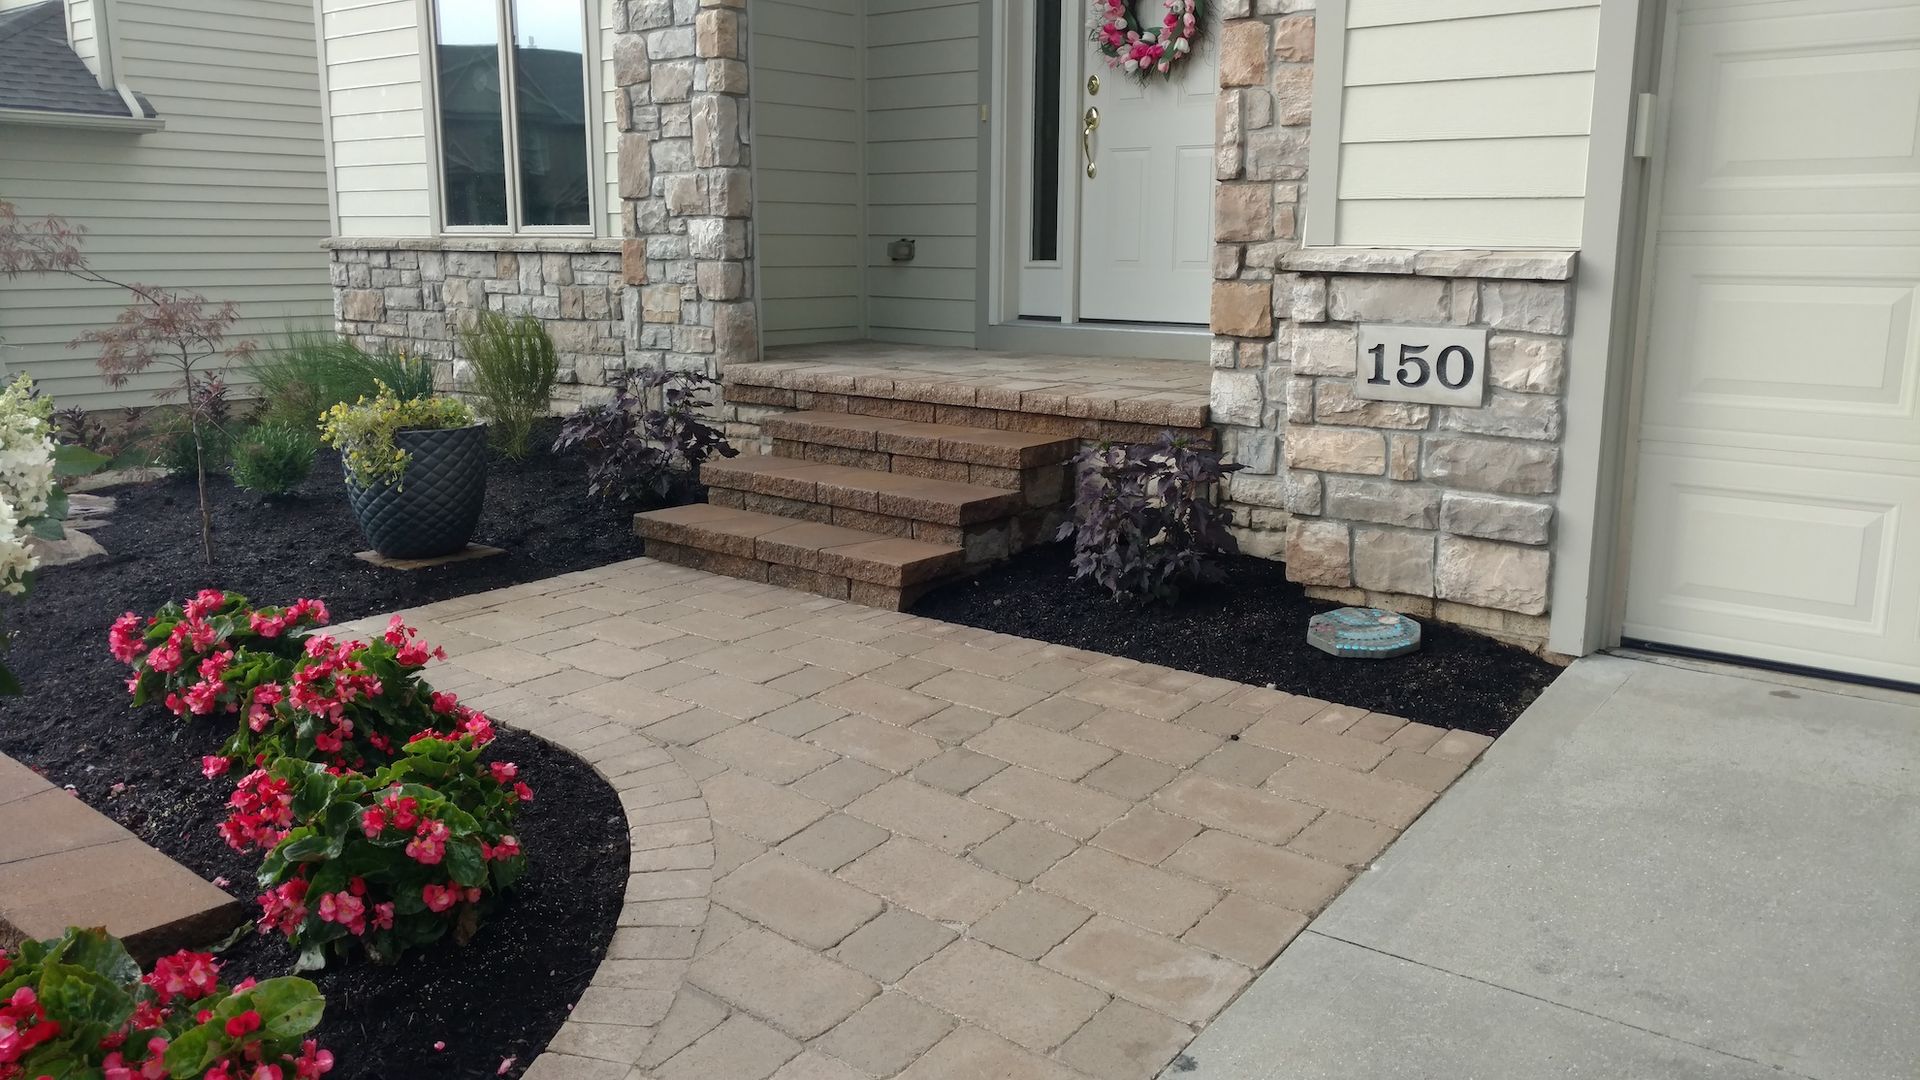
868, 844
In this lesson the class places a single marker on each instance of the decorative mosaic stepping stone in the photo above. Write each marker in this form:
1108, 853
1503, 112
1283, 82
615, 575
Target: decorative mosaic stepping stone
1363, 633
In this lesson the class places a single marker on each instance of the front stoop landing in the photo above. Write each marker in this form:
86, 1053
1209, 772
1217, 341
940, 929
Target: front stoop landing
872, 509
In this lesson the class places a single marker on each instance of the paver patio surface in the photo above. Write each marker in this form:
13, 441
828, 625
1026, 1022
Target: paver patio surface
868, 844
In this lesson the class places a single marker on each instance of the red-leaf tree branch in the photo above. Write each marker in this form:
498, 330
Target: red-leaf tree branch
182, 332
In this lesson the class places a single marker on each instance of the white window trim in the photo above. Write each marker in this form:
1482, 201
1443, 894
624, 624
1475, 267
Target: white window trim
595, 120
1322, 225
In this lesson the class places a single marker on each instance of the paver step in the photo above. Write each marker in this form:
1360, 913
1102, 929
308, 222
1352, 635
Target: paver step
896, 495
942, 442
63, 863
851, 564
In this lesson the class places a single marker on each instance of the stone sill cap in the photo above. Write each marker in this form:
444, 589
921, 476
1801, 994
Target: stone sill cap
1433, 262
552, 245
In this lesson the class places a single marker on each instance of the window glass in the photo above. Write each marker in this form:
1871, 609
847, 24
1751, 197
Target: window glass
472, 136
1045, 242
550, 111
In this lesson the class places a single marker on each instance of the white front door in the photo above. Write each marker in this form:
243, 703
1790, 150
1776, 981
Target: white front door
1777, 514
1129, 240
1146, 207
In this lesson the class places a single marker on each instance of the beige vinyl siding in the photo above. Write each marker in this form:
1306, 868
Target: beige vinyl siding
229, 200
923, 168
83, 31
1464, 123
376, 102
807, 117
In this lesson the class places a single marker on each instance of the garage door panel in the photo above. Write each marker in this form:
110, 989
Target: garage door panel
1777, 511
1791, 101
1797, 564
1788, 342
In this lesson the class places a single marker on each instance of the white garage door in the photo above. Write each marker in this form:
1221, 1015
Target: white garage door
1777, 511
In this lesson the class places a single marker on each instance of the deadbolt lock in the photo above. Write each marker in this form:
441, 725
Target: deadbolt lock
1093, 85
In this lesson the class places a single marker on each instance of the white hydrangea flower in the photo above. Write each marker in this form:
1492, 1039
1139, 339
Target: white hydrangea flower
26, 477
16, 559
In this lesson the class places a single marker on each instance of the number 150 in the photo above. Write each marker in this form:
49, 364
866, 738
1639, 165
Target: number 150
1453, 367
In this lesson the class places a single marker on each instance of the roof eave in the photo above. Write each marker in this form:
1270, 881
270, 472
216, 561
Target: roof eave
81, 121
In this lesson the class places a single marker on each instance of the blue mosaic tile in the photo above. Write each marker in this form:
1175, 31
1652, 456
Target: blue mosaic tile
1363, 633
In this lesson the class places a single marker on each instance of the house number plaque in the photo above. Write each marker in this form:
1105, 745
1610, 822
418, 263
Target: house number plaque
1433, 365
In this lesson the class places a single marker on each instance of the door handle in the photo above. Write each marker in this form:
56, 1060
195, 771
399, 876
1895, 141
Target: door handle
1089, 123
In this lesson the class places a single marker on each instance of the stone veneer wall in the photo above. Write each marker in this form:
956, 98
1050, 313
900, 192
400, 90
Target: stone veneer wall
686, 180
1436, 510
1262, 119
410, 294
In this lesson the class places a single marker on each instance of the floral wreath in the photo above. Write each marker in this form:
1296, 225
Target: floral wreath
1118, 36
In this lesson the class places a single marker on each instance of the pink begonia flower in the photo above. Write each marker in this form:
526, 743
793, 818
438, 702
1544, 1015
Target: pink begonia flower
214, 765
438, 898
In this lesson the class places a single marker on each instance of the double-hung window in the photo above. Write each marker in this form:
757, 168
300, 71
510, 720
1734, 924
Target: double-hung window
511, 82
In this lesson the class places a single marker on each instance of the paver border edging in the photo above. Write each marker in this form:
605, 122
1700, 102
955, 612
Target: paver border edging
669, 879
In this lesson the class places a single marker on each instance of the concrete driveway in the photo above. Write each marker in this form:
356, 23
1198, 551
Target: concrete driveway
1661, 871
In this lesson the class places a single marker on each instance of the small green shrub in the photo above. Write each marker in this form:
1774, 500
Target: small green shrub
273, 459
307, 372
363, 432
513, 371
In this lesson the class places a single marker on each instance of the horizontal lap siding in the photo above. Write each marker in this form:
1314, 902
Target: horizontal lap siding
376, 99
923, 173
807, 159
1464, 123
229, 200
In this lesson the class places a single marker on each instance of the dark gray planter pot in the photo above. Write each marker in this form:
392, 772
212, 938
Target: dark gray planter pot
436, 507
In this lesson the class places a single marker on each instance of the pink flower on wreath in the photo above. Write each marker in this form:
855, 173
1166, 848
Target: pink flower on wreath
438, 898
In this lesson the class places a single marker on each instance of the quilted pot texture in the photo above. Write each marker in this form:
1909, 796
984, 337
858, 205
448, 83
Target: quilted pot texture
437, 505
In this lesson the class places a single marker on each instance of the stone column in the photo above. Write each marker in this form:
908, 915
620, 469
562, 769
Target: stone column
686, 182
1262, 121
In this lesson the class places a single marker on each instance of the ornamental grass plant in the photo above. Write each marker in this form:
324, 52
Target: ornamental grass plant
306, 372
514, 366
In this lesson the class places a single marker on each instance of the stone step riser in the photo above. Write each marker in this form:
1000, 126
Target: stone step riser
983, 542
1090, 417
885, 597
857, 565
1041, 485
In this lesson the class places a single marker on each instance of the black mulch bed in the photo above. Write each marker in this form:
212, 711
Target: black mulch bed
1252, 629
505, 994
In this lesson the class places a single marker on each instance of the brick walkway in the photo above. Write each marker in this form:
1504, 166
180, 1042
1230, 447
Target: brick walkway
868, 844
